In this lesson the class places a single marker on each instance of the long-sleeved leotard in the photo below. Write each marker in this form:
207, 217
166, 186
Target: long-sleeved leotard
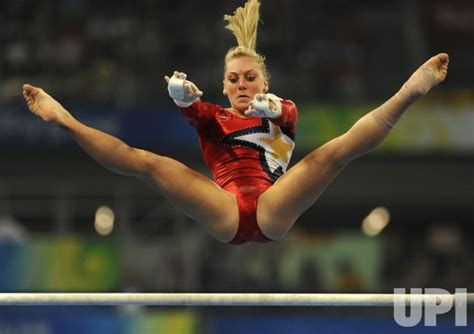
245, 155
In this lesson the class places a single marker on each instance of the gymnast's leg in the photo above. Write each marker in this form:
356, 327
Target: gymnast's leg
280, 206
196, 195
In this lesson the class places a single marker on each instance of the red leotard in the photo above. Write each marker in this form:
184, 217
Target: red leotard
245, 155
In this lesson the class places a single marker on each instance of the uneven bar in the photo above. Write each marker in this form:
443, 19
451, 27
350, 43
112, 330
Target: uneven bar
223, 299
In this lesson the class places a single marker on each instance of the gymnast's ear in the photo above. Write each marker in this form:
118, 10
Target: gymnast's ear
224, 91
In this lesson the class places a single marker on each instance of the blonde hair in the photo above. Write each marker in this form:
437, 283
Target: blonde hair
244, 24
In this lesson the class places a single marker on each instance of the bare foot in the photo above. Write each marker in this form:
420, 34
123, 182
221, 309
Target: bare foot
44, 106
429, 74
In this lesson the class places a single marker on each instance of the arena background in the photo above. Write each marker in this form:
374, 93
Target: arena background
105, 61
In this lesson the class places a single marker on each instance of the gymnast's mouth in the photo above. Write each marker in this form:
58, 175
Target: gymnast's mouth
243, 97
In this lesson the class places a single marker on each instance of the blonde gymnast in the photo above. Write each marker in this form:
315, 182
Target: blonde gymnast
247, 146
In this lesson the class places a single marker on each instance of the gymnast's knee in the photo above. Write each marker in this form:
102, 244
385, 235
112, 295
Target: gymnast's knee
324, 159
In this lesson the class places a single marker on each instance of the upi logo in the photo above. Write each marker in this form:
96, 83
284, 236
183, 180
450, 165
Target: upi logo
432, 301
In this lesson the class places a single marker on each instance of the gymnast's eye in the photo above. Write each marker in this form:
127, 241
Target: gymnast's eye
251, 78
232, 79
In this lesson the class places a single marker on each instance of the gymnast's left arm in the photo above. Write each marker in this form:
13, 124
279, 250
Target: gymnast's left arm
282, 112
371, 129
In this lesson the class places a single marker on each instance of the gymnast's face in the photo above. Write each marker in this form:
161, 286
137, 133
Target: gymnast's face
243, 79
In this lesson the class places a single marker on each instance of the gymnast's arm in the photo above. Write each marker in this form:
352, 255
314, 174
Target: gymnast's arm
289, 115
110, 152
199, 114
372, 128
186, 95
282, 112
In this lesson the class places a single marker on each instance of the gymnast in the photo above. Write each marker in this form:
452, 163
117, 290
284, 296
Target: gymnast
247, 146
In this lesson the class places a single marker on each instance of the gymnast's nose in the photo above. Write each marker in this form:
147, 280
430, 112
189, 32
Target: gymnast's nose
242, 85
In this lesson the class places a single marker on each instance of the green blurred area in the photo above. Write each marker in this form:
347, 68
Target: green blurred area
431, 126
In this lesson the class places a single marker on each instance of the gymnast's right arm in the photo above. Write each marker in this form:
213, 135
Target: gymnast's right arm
186, 96
110, 152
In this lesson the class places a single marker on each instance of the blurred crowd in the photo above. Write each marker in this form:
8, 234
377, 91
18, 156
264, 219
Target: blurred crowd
117, 52
174, 254
438, 256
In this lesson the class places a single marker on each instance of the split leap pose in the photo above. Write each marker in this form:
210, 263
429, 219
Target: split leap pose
247, 146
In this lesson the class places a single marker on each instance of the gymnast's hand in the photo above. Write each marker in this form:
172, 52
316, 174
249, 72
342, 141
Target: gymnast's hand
44, 106
431, 73
182, 91
264, 105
